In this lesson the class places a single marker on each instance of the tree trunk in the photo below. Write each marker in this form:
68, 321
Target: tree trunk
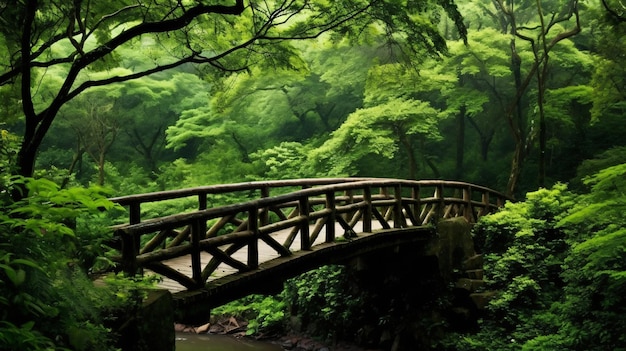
516, 169
516, 123
408, 146
75, 160
101, 161
542, 126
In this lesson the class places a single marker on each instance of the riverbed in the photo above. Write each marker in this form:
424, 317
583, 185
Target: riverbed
211, 342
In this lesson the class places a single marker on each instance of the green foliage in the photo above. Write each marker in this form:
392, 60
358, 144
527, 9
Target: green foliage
600, 211
288, 160
385, 129
610, 42
557, 261
324, 300
606, 159
47, 300
8, 150
594, 302
524, 253
321, 299
263, 313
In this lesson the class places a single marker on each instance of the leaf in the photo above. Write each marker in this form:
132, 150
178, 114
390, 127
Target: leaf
26, 262
10, 273
20, 277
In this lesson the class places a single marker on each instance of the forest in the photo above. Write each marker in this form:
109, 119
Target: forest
122, 97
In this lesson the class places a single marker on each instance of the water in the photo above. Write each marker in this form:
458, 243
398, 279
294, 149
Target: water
208, 342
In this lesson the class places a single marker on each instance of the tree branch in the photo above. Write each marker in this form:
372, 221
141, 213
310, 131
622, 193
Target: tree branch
612, 12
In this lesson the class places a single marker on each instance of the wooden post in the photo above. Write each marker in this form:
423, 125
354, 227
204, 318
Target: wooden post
469, 209
367, 211
384, 211
131, 243
417, 206
349, 200
196, 269
134, 212
253, 245
397, 207
129, 253
305, 239
265, 212
330, 221
441, 205
202, 205
486, 203
202, 201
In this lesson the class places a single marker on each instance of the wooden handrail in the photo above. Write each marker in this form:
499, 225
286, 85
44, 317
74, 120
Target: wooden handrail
321, 203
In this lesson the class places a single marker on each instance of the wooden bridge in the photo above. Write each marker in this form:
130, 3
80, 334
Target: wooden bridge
225, 247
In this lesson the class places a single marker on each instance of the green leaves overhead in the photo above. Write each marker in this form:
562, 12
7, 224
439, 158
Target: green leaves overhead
80, 38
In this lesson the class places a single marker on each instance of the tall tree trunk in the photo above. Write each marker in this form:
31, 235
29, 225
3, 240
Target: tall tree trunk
516, 169
408, 146
101, 169
516, 123
542, 123
78, 156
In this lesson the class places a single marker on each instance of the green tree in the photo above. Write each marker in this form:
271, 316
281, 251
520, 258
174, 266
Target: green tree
95, 128
263, 109
148, 106
227, 37
550, 24
397, 118
382, 130
608, 41
480, 93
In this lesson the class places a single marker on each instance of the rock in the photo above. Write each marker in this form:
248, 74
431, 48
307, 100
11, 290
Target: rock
473, 262
481, 300
307, 345
288, 344
470, 285
203, 328
453, 246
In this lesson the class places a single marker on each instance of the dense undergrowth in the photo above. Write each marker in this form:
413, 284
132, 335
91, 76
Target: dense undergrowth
557, 261
51, 241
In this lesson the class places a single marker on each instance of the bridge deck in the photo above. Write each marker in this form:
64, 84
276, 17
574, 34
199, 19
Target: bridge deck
266, 253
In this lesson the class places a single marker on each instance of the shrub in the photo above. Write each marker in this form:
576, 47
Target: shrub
47, 300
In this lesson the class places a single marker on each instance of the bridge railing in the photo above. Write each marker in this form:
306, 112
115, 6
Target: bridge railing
257, 189
322, 206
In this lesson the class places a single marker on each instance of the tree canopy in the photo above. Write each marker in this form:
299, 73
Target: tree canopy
81, 38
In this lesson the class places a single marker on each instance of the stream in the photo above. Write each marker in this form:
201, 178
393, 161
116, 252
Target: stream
210, 342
